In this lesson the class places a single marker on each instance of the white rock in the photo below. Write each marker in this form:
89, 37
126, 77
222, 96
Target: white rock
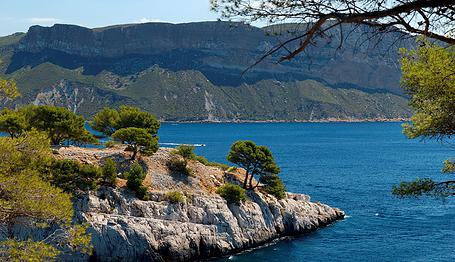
126, 229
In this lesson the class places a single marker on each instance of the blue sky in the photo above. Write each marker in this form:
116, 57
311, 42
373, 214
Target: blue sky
19, 15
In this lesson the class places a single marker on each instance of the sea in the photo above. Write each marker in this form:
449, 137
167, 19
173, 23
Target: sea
352, 166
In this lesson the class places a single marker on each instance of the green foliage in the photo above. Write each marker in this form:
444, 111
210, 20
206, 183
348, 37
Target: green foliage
106, 121
256, 160
449, 167
429, 79
178, 165
231, 169
70, 175
109, 120
12, 122
131, 126
26, 196
202, 160
135, 176
78, 239
8, 89
273, 185
109, 144
28, 152
138, 140
206, 162
28, 250
232, 193
61, 125
186, 151
243, 153
109, 172
414, 188
142, 193
175, 197
134, 117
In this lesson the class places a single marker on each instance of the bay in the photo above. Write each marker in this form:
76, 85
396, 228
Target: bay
352, 166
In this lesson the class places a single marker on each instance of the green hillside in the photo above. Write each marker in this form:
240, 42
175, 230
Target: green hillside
195, 79
189, 96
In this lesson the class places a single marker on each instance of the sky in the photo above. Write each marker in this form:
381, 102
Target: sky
19, 15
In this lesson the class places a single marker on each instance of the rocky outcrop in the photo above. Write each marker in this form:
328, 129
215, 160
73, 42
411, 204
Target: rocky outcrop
62, 94
126, 229
79, 98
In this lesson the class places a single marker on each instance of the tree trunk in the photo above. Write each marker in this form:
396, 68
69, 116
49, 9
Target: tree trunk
251, 181
246, 180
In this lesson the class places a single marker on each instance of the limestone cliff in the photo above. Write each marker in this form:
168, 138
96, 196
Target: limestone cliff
193, 72
220, 50
124, 228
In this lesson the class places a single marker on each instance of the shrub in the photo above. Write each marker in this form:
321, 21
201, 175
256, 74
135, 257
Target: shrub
232, 193
273, 185
175, 197
109, 144
206, 162
186, 151
69, 175
141, 193
202, 160
135, 176
109, 172
176, 164
231, 169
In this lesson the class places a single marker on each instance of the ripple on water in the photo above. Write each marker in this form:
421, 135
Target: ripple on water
351, 166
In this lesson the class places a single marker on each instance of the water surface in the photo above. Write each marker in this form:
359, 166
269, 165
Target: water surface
351, 166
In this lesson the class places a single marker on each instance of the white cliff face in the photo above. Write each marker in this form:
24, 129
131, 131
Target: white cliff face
61, 94
126, 229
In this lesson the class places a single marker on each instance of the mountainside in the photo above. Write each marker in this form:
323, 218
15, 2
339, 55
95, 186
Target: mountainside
193, 72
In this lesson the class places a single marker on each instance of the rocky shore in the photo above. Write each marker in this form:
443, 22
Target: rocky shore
204, 226
322, 120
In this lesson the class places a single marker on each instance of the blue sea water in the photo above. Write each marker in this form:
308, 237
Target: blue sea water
352, 166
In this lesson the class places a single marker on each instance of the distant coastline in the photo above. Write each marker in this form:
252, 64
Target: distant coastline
325, 120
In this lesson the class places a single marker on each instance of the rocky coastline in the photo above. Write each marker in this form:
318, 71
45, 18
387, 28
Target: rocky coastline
324, 120
126, 229
204, 226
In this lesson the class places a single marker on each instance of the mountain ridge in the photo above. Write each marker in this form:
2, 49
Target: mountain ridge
158, 66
